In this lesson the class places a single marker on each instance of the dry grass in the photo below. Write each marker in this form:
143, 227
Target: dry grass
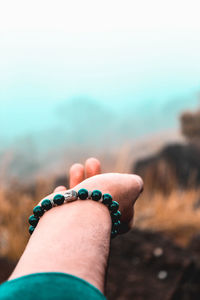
176, 214
16, 204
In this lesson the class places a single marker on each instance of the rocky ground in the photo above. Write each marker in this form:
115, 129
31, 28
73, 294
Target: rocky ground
147, 265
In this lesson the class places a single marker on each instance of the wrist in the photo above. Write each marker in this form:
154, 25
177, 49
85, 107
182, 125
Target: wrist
80, 230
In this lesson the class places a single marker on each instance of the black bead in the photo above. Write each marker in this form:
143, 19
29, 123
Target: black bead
114, 206
96, 195
31, 229
107, 199
116, 226
83, 194
116, 216
33, 220
114, 233
59, 199
38, 211
46, 204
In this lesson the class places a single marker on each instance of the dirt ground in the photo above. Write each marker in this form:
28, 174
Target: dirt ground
146, 265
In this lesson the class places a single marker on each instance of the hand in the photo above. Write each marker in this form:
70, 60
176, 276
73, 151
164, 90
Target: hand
124, 188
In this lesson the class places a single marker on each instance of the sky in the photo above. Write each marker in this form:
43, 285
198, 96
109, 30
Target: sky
131, 60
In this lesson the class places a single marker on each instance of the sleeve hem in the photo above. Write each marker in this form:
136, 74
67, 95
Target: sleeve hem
58, 274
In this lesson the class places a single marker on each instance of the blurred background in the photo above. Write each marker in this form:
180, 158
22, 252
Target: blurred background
118, 80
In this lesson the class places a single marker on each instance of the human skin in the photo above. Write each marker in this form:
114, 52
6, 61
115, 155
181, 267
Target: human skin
75, 238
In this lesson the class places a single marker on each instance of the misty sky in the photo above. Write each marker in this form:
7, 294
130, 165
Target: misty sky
136, 58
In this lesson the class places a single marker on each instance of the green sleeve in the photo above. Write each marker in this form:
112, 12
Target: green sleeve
49, 286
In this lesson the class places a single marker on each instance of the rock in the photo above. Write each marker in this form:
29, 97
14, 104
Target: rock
176, 164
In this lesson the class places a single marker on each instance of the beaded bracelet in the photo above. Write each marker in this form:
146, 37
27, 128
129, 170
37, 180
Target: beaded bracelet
72, 195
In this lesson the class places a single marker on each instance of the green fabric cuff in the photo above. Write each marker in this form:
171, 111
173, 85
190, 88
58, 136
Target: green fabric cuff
49, 286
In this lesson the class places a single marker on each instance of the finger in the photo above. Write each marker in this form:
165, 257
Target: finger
76, 175
60, 189
92, 167
138, 187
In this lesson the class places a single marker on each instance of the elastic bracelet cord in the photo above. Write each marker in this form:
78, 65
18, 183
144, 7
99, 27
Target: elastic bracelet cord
72, 195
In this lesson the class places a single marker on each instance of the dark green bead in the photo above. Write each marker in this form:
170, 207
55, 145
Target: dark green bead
116, 225
83, 194
46, 204
107, 199
59, 199
33, 220
119, 214
96, 195
116, 216
114, 206
31, 229
38, 211
114, 233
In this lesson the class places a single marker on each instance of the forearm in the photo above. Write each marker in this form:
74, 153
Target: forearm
73, 238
